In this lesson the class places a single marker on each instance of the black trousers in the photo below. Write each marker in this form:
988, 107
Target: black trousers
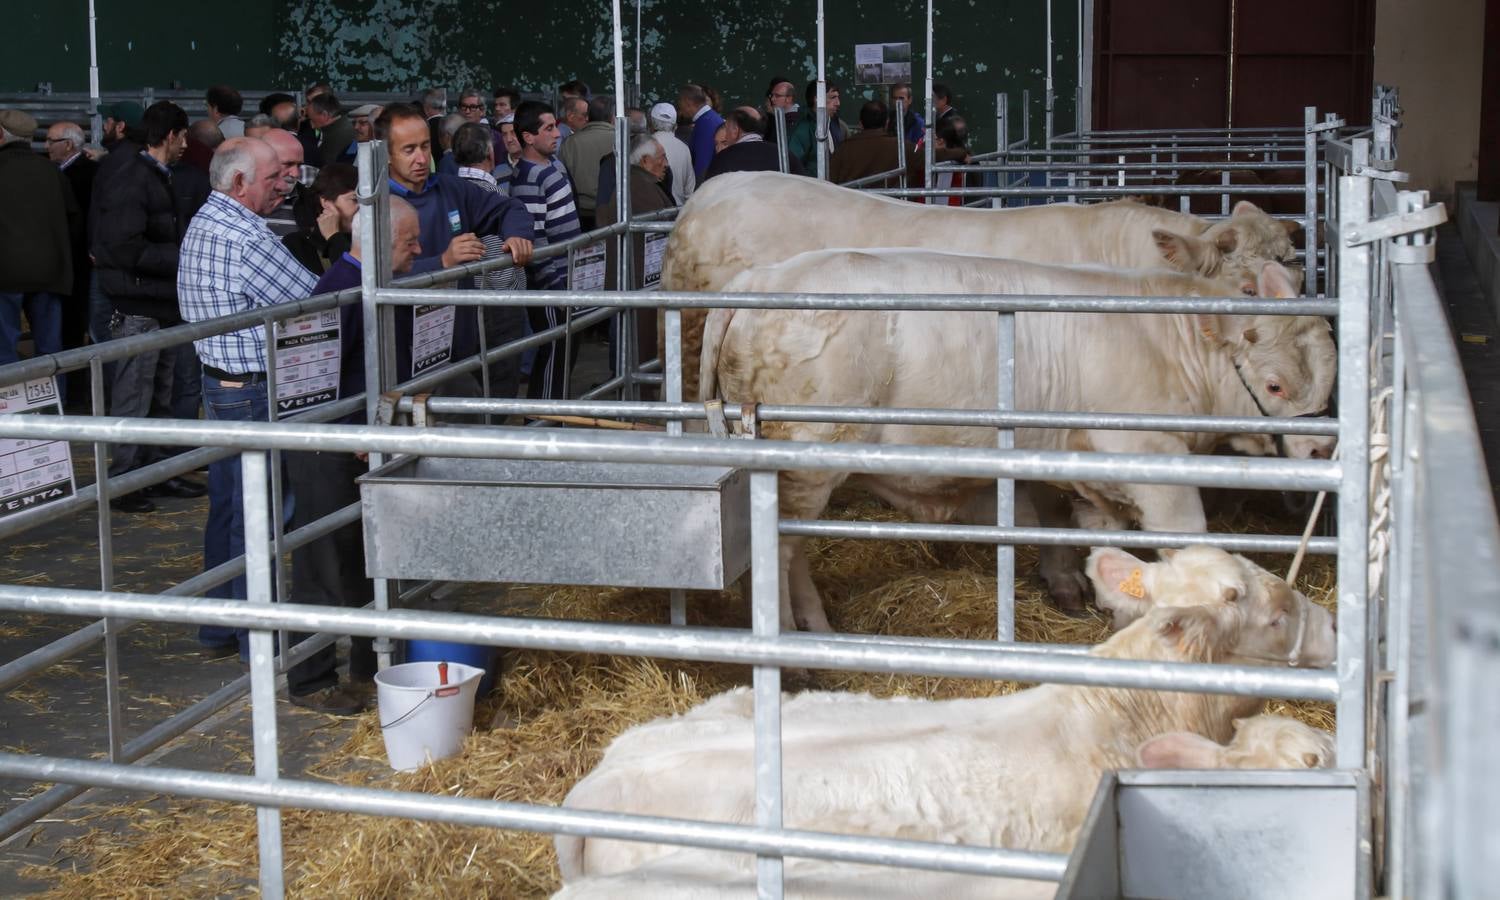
331, 570
549, 367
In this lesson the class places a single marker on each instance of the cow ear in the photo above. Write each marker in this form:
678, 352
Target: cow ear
1192, 631
1227, 240
1183, 253
1122, 583
1275, 281
1246, 208
1179, 750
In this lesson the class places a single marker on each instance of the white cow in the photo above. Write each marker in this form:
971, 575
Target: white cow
1013, 771
1260, 742
746, 219
1114, 362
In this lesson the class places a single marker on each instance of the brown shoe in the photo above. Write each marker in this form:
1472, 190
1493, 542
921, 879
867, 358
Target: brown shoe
334, 700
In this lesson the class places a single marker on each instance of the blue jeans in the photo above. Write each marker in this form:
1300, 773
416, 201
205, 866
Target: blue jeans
224, 533
43, 312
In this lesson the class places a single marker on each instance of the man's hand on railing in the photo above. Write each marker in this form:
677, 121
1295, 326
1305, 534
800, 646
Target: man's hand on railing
519, 249
464, 248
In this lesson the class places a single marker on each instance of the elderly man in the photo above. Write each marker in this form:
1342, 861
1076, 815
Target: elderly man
648, 166
472, 107
231, 262
288, 149
663, 123
590, 143
335, 131
744, 149
36, 234
475, 155
363, 118
330, 570
693, 106
65, 142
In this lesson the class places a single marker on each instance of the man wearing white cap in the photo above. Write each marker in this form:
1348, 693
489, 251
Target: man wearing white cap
663, 121
363, 118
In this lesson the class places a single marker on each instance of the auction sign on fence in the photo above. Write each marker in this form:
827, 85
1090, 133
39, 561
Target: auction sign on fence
33, 474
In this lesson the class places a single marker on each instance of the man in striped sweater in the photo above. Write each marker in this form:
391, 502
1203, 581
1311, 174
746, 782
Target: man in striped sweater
542, 184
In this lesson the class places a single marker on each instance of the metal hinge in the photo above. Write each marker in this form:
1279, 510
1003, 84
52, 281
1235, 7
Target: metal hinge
1410, 231
1383, 174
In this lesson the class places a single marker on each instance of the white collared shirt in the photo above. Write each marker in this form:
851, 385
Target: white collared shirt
69, 161
701, 110
475, 174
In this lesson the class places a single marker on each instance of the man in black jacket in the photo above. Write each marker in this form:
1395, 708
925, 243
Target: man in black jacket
36, 263
137, 231
745, 148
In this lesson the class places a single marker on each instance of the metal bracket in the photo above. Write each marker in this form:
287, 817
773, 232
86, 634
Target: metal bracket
749, 420
1383, 174
1330, 124
1397, 225
420, 416
718, 426
385, 409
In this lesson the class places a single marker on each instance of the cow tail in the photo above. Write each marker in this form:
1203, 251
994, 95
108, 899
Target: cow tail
715, 329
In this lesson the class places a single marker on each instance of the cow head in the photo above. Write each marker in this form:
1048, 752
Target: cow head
1240, 243
1279, 624
1260, 742
1285, 364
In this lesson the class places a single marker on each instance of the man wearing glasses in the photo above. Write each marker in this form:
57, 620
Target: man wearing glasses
472, 107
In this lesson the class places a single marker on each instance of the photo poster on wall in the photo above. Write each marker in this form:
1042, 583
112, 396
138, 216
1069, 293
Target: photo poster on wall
882, 63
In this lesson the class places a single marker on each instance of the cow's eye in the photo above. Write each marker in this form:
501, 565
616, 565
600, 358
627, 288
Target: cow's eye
1274, 388
1248, 290
1279, 621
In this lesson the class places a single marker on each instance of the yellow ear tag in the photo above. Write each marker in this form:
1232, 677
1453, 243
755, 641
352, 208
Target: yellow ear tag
1133, 586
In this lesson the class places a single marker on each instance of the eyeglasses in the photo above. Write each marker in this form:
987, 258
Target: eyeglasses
58, 141
471, 106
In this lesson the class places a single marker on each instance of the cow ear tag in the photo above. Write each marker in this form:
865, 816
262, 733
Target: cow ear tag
1133, 586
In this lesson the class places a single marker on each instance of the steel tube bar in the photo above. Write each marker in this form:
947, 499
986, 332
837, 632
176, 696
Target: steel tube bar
584, 446
691, 643
531, 817
1353, 504
1310, 196
1052, 537
977, 418
113, 705
929, 133
875, 301
1114, 166
1173, 190
1005, 488
822, 103
259, 581
901, 143
765, 619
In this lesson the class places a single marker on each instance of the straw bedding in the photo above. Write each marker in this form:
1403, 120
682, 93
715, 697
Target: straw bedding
567, 708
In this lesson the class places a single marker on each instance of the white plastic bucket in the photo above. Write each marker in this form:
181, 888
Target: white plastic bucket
421, 718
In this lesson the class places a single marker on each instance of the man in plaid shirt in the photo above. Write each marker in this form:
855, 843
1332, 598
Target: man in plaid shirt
231, 262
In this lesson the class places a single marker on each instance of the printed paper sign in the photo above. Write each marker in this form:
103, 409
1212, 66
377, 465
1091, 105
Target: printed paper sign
33, 474
656, 249
307, 361
882, 63
586, 268
431, 336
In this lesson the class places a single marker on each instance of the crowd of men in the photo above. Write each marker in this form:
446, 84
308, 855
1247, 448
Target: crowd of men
174, 221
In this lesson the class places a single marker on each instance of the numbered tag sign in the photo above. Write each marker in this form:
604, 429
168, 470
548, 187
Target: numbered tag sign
307, 361
431, 337
656, 251
33, 474
586, 266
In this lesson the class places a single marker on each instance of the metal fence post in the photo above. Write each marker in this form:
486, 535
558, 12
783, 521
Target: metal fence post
1310, 201
781, 147
112, 699
1005, 488
765, 616
901, 143
282, 580
1353, 510
672, 389
1002, 145
258, 575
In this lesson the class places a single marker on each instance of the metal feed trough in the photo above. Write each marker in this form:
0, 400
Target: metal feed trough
546, 522
1395, 574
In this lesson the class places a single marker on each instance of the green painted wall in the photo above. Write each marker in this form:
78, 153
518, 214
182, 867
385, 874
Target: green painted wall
982, 46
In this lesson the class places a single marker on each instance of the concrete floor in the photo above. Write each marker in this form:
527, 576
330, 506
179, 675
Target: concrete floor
61, 711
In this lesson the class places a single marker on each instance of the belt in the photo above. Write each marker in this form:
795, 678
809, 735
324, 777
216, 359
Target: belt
247, 378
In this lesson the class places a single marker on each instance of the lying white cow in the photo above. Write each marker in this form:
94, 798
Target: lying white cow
1260, 742
1115, 362
747, 219
1013, 771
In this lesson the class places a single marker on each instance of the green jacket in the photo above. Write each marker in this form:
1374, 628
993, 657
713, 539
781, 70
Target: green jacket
580, 155
802, 143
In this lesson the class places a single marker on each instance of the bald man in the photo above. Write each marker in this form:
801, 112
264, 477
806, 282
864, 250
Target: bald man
230, 263
289, 157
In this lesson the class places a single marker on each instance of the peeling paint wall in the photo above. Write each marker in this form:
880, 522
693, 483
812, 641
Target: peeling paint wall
982, 46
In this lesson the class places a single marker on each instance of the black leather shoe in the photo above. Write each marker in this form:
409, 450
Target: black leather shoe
333, 700
176, 487
132, 503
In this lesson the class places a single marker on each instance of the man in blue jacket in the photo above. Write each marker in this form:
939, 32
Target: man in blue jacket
452, 214
692, 104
